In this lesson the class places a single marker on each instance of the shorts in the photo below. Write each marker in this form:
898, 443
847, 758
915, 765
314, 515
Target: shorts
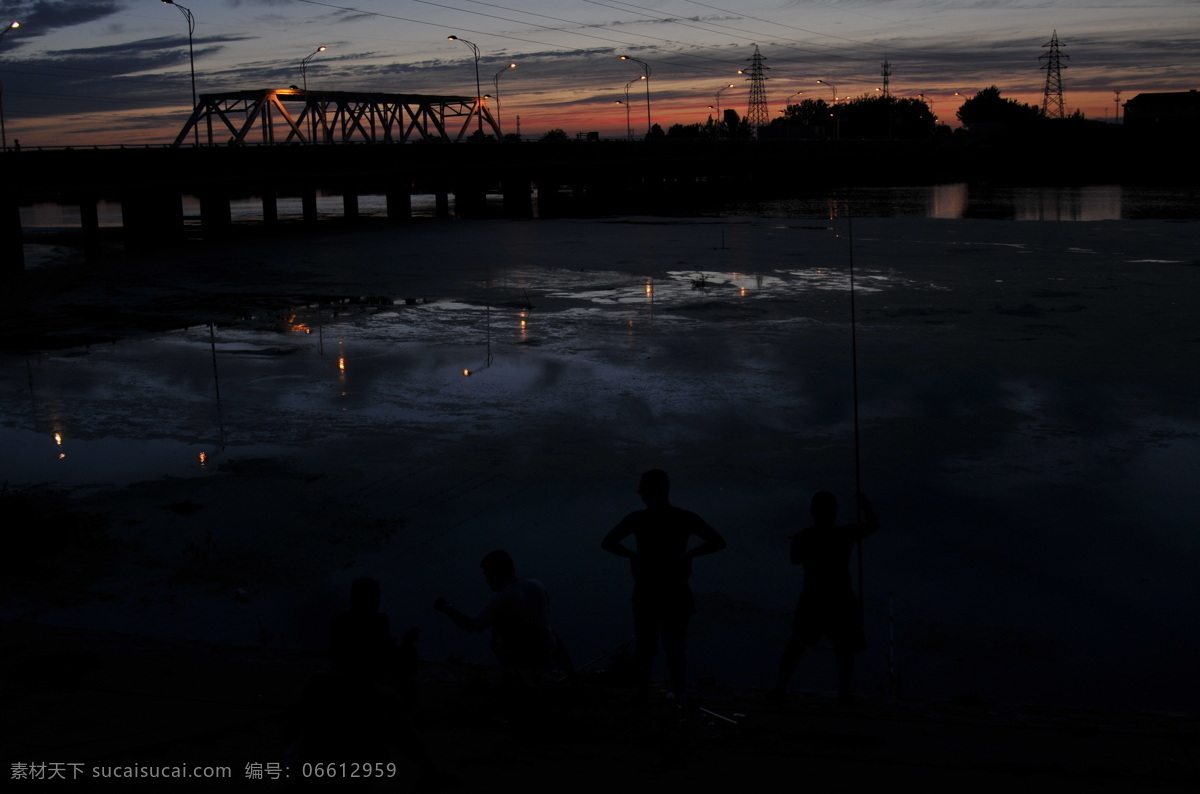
837, 617
662, 614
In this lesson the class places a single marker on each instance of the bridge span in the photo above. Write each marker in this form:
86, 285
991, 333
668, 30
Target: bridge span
263, 116
568, 178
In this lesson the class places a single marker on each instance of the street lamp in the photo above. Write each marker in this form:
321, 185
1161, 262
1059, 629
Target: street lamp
308, 104
646, 68
3, 134
478, 90
837, 119
719, 90
304, 67
496, 83
628, 126
191, 23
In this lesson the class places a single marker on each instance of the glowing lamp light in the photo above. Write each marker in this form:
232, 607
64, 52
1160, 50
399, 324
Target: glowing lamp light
58, 439
203, 458
466, 373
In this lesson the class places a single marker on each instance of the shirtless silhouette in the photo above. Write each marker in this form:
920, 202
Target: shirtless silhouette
827, 605
661, 563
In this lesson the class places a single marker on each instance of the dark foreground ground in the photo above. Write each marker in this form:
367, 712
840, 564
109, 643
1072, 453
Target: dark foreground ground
1086, 324
101, 699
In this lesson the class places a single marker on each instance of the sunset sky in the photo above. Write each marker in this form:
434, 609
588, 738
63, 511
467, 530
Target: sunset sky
116, 71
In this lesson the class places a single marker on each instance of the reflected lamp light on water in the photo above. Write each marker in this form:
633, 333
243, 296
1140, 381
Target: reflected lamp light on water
202, 457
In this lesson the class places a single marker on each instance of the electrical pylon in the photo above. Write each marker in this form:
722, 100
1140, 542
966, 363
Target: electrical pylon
756, 115
1052, 99
886, 72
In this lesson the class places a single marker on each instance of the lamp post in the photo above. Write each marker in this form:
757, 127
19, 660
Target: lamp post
786, 105
312, 116
496, 83
837, 120
3, 135
304, 66
191, 50
478, 90
719, 90
628, 125
646, 68
191, 23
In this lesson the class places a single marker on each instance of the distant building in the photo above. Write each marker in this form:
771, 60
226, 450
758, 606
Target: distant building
1170, 113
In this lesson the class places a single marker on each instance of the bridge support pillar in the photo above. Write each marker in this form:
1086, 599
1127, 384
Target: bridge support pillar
518, 195
549, 203
151, 219
350, 204
270, 206
308, 205
89, 224
441, 201
470, 200
216, 218
399, 203
12, 246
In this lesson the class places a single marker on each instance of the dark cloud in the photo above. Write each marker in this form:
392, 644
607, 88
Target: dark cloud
209, 45
241, 3
40, 17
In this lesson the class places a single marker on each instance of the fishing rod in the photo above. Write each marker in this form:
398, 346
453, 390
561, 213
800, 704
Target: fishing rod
854, 374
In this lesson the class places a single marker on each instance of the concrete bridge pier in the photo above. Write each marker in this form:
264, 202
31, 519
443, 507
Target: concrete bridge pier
216, 217
441, 201
308, 205
350, 203
152, 218
549, 202
518, 195
270, 205
89, 224
12, 245
399, 202
470, 199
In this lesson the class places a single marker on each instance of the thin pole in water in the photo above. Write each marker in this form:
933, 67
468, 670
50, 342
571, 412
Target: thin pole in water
212, 344
854, 372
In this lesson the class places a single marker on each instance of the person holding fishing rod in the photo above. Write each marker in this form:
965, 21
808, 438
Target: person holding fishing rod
827, 605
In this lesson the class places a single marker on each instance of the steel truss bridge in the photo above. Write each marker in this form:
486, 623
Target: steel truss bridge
286, 116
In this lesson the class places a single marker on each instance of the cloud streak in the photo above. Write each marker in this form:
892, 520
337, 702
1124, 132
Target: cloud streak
43, 17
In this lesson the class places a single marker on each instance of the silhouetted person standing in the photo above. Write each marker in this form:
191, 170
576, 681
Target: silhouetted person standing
361, 645
662, 563
518, 615
827, 605
355, 714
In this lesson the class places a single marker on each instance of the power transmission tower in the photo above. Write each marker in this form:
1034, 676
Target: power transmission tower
886, 71
756, 115
1052, 98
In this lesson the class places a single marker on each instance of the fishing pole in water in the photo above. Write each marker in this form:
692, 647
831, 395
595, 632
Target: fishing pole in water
854, 375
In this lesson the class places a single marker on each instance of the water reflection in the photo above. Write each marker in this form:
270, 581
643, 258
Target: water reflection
960, 200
